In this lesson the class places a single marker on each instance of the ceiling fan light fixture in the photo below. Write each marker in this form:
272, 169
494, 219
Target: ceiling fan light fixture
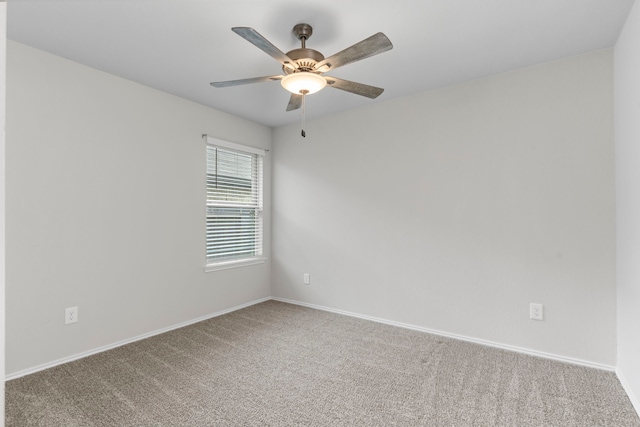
303, 83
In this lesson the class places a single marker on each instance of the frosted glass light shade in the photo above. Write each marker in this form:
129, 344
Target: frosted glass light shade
303, 81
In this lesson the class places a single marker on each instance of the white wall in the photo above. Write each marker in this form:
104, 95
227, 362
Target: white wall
627, 137
3, 63
105, 209
453, 209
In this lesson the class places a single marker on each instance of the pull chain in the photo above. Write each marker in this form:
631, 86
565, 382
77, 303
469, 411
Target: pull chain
304, 93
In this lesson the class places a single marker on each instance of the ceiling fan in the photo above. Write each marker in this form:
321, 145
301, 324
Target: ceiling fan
304, 68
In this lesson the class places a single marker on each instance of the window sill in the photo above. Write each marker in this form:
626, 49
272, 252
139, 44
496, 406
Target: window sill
224, 265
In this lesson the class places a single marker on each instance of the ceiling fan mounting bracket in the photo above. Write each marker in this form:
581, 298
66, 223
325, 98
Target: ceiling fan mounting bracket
302, 32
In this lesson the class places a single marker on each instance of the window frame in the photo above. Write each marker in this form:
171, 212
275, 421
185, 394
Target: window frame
259, 258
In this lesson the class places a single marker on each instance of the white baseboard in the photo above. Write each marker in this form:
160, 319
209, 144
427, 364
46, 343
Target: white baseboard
574, 361
458, 337
632, 397
47, 365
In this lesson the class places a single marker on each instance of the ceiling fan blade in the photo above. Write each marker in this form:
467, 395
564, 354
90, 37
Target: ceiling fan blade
295, 102
353, 87
246, 81
256, 39
374, 45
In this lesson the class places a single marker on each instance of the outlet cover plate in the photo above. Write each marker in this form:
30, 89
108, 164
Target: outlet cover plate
70, 315
536, 311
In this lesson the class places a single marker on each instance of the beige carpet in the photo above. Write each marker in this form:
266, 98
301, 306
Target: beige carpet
276, 364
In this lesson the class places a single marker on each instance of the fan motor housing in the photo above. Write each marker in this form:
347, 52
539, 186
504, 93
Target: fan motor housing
305, 59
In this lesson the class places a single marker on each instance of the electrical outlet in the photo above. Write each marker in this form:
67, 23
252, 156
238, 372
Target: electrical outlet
535, 311
70, 315
307, 279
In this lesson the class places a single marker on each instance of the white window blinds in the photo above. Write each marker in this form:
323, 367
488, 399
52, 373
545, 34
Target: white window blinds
234, 202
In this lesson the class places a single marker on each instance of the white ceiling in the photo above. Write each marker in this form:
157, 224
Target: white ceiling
179, 46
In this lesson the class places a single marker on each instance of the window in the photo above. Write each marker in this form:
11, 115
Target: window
234, 205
